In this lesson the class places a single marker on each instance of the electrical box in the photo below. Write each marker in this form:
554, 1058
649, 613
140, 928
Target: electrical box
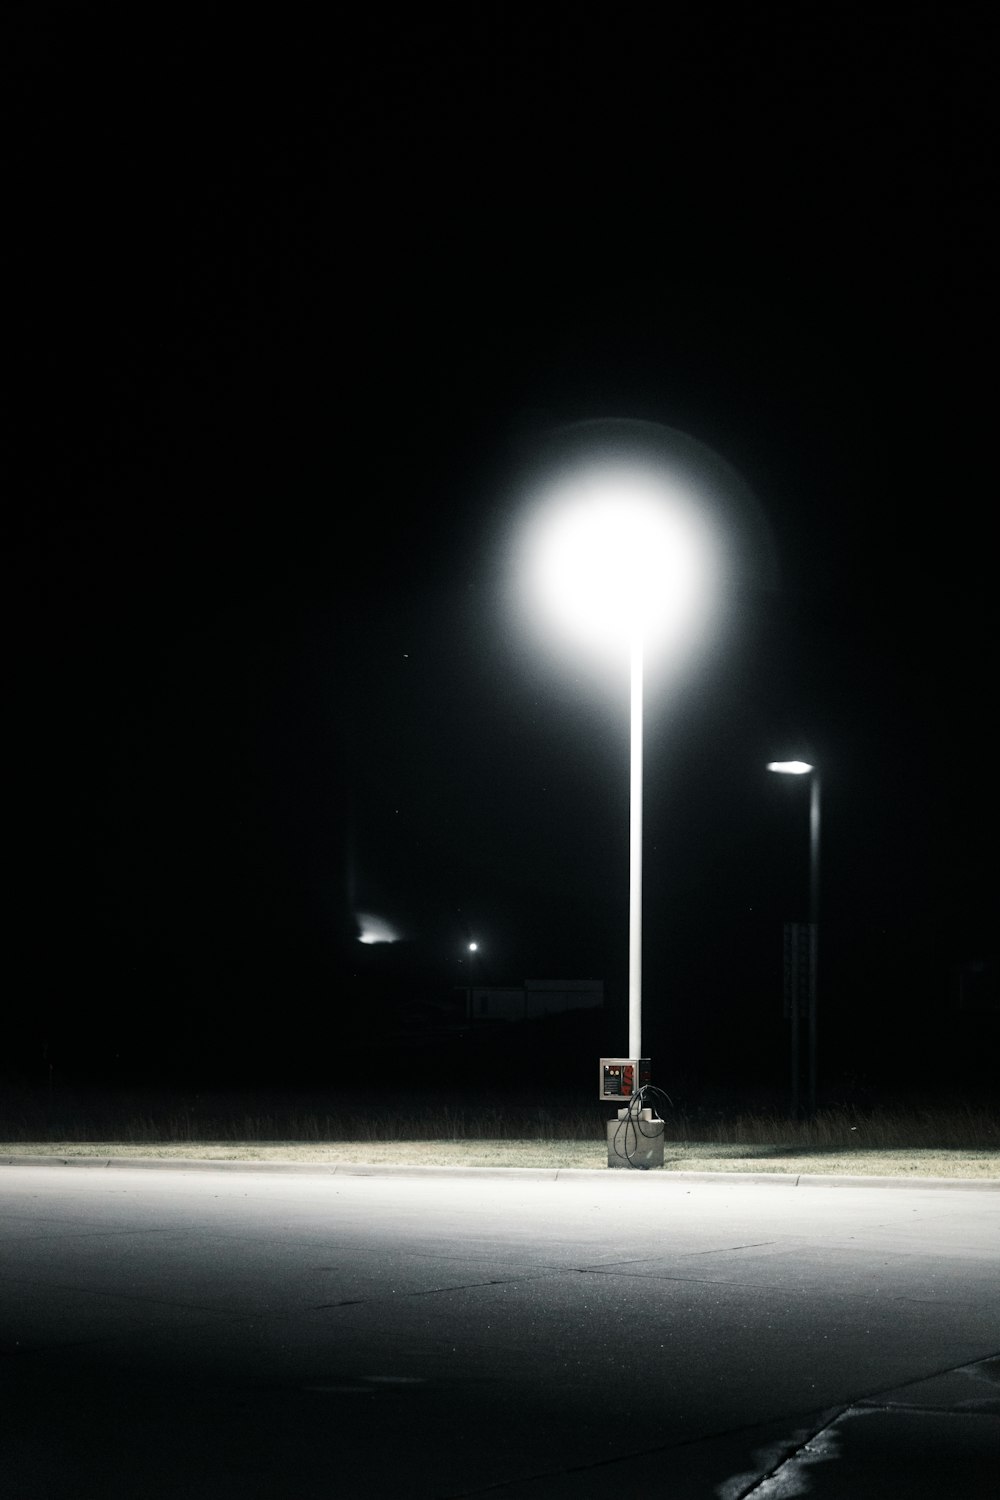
621, 1076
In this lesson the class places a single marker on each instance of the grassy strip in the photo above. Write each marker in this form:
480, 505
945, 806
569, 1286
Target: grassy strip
960, 1140
372, 1119
678, 1156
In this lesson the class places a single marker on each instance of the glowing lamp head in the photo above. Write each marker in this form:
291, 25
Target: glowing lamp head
627, 530
618, 551
790, 767
473, 947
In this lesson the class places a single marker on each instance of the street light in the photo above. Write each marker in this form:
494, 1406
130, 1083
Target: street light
624, 552
471, 948
622, 562
805, 768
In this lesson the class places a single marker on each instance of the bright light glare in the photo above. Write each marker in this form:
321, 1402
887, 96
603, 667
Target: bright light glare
790, 767
617, 550
473, 947
376, 929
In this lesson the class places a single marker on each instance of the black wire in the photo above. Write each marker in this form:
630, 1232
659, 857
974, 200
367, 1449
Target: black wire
633, 1123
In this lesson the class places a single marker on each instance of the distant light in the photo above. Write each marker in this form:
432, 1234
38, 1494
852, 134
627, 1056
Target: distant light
790, 767
376, 929
473, 947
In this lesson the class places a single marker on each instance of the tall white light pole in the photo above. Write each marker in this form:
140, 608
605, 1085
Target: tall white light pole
623, 560
635, 849
805, 768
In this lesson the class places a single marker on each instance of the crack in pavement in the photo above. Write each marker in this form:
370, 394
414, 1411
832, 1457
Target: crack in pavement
789, 1454
779, 1454
631, 1455
727, 1249
430, 1291
871, 1403
762, 1286
471, 1286
962, 1410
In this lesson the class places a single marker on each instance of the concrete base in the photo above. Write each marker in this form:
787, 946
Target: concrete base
633, 1144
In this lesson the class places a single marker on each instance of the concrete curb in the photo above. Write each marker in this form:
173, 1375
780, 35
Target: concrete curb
548, 1174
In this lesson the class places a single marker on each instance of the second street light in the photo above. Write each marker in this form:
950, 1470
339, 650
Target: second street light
805, 768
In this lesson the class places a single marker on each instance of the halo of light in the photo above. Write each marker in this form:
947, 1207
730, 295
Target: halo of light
624, 525
615, 549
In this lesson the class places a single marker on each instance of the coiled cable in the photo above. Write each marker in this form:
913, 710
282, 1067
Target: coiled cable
630, 1125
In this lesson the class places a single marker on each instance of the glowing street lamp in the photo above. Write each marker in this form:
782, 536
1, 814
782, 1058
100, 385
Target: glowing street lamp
805, 768
471, 948
622, 556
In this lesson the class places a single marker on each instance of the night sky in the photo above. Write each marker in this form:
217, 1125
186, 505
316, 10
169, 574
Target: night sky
289, 303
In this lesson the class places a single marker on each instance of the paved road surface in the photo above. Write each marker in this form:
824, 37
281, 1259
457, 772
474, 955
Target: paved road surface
189, 1333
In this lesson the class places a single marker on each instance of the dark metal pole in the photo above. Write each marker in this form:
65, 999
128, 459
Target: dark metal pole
794, 1018
814, 831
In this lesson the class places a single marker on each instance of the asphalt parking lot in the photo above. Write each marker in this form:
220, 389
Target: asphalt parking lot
192, 1332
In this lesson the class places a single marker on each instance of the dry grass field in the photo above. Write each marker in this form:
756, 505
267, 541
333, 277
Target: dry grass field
903, 1141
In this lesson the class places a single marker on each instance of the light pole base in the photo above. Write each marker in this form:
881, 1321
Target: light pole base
635, 1143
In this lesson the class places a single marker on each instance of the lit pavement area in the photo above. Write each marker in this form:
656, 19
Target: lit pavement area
227, 1333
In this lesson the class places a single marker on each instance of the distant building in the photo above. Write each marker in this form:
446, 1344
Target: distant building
532, 999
